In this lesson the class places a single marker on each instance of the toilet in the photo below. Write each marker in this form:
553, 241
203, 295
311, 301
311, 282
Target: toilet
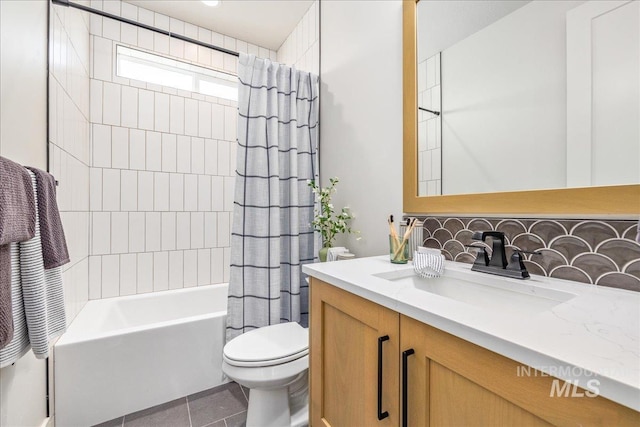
273, 362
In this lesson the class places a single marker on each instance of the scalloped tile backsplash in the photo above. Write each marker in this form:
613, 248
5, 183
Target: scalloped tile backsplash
590, 251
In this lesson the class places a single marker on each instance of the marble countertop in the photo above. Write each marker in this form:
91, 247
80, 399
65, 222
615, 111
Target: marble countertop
593, 338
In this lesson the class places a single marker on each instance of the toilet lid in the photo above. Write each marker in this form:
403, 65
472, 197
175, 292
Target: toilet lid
268, 345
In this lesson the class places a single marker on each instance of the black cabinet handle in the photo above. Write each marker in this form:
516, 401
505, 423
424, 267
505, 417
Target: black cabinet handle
405, 385
385, 414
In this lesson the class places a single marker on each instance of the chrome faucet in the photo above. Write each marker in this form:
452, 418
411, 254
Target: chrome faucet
497, 263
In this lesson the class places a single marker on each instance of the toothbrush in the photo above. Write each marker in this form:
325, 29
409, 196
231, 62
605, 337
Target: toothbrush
405, 238
392, 230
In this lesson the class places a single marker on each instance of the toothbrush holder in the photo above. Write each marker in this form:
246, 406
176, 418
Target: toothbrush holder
398, 256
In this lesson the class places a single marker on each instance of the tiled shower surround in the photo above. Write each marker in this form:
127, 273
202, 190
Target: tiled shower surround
162, 163
601, 252
163, 160
69, 154
145, 171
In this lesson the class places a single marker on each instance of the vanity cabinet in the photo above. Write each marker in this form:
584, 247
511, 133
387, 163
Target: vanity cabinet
347, 332
429, 377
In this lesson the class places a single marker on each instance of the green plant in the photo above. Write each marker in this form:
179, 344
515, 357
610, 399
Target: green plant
325, 220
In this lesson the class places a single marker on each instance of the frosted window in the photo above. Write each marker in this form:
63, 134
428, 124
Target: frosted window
156, 69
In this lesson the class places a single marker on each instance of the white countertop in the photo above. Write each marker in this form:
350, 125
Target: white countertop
593, 336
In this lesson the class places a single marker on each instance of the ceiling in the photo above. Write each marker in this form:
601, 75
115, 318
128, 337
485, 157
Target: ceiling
265, 23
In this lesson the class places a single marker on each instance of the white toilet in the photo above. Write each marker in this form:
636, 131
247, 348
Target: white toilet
273, 362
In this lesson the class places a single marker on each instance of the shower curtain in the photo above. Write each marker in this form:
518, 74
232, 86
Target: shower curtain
271, 234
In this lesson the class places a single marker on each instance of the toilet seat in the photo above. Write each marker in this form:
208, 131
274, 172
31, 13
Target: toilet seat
268, 346
265, 363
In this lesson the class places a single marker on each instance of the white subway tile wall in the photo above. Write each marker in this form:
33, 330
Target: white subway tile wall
162, 168
146, 172
145, 272
160, 271
302, 48
69, 136
429, 125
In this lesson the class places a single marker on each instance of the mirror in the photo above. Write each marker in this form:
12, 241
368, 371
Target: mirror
498, 91
512, 191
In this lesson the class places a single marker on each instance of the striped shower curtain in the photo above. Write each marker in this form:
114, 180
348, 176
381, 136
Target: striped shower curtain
273, 206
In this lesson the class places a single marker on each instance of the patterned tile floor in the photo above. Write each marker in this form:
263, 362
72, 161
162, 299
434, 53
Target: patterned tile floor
222, 406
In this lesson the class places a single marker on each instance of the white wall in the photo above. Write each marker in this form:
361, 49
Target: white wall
504, 118
23, 82
361, 114
23, 62
616, 90
603, 93
441, 24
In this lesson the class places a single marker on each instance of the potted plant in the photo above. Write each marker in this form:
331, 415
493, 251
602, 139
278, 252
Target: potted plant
325, 220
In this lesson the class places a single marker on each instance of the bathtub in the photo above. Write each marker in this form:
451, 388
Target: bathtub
124, 354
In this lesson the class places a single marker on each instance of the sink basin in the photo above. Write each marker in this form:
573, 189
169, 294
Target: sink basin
484, 290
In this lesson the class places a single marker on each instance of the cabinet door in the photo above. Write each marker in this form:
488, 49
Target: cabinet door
346, 333
415, 398
438, 395
452, 382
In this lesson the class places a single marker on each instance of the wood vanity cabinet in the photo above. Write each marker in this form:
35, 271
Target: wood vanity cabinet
449, 381
347, 333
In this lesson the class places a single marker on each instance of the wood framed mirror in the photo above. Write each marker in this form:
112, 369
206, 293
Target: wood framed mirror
621, 201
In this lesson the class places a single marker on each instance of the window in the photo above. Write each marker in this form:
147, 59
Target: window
156, 69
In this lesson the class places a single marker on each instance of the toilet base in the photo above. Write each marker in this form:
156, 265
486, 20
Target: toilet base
268, 408
299, 401
288, 406
300, 418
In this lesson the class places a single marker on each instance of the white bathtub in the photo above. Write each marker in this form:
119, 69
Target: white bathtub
124, 354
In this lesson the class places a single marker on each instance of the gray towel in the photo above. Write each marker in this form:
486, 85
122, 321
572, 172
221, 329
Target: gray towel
17, 224
6, 320
17, 205
54, 245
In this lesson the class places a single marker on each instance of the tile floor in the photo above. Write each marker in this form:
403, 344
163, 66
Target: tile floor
222, 406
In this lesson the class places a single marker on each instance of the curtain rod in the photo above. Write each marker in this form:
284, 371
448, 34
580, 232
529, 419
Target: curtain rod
67, 3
